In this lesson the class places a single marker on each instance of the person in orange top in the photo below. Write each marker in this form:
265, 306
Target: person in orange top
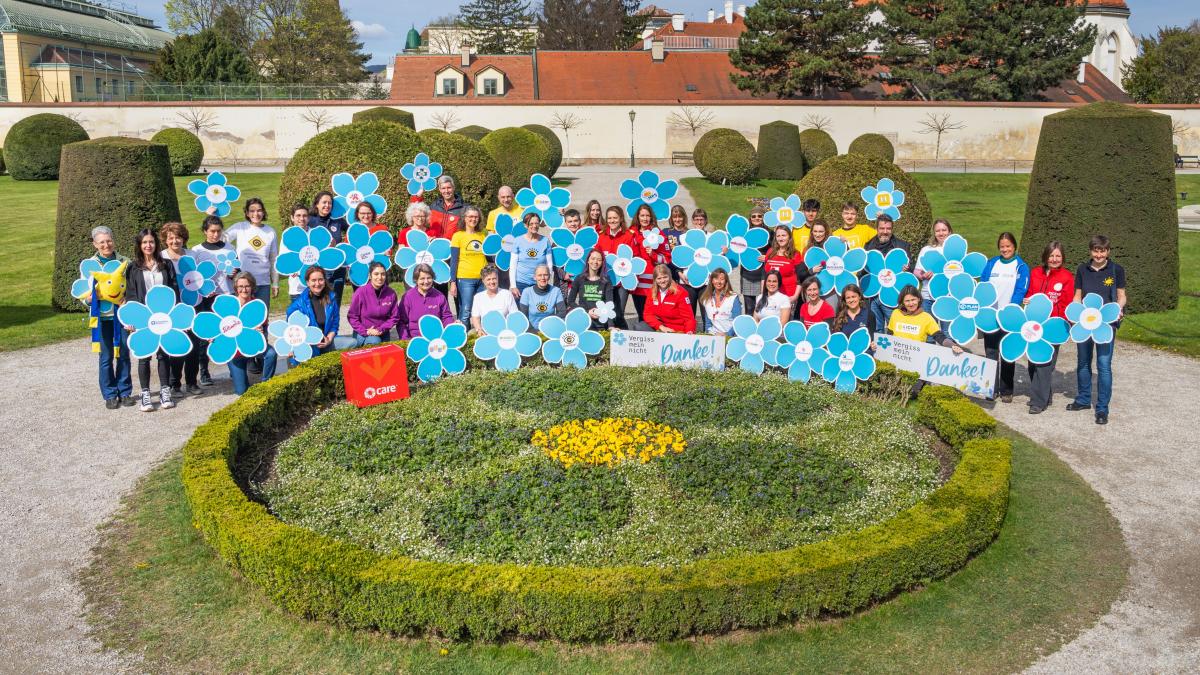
643, 221
610, 240
669, 309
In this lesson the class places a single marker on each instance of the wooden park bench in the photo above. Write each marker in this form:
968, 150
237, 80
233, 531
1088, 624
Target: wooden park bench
682, 157
1185, 160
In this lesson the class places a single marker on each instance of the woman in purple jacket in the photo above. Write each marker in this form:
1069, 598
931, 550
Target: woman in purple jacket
374, 309
420, 300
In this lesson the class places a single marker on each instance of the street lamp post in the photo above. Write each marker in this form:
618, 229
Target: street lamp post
632, 114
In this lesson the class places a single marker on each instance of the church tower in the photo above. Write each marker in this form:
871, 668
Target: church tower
1115, 44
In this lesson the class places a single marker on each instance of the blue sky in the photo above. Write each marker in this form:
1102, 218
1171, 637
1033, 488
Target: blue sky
382, 28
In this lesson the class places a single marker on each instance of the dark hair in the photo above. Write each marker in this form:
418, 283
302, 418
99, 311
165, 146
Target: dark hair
1012, 239
620, 212
314, 268
325, 292
571, 213
849, 205
369, 205
251, 202
884, 218
525, 219
638, 214
809, 282
587, 213
373, 265
1051, 246
762, 299
317, 199
587, 264
811, 205
843, 313
209, 221
296, 207
1098, 241
904, 293
140, 260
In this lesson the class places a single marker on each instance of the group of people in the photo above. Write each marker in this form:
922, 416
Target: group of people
663, 300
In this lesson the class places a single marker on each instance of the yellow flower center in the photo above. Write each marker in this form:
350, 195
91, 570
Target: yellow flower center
608, 442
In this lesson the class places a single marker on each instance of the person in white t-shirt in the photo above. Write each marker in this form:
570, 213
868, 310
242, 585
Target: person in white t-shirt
941, 230
213, 245
1009, 275
773, 302
491, 299
257, 247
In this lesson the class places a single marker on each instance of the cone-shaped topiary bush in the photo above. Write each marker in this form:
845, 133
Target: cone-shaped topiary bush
1108, 168
552, 144
475, 173
779, 154
842, 178
873, 145
519, 153
385, 114
708, 137
817, 147
729, 160
382, 147
185, 149
33, 145
1, 161
124, 183
473, 132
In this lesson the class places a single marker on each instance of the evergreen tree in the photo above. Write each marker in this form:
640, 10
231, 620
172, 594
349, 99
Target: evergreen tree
498, 26
633, 25
982, 50
797, 48
316, 46
1168, 69
581, 24
204, 57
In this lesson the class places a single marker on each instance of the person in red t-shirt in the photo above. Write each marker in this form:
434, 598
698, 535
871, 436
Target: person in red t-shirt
814, 310
1058, 283
669, 309
610, 240
417, 217
643, 221
783, 258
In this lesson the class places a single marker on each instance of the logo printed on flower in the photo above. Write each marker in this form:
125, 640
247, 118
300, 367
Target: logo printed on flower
887, 278
649, 189
738, 245
309, 255
424, 258
835, 265
575, 252
541, 202
703, 256
755, 343
623, 266
216, 193
649, 195
354, 198
1091, 318
804, 351
1031, 331
364, 255
952, 267
437, 348
193, 280
294, 335
846, 360
785, 216
569, 338
230, 326
507, 339
968, 307
159, 323
883, 199
508, 243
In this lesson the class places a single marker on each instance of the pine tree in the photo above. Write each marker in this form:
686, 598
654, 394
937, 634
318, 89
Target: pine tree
204, 57
1168, 69
498, 26
633, 25
581, 24
982, 50
798, 48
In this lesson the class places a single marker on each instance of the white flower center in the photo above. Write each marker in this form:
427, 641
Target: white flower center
569, 339
230, 326
804, 351
846, 360
883, 199
437, 348
738, 245
421, 173
364, 254
887, 278
216, 194
952, 267
649, 195
309, 255
968, 307
1031, 331
193, 280
354, 199
703, 257
1091, 318
575, 252
507, 339
424, 258
755, 344
835, 265
294, 335
506, 243
541, 202
623, 267
159, 323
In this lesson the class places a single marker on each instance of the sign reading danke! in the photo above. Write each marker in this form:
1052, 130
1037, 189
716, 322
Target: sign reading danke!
971, 374
637, 348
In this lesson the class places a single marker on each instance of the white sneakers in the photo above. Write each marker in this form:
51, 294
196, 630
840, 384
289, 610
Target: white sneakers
164, 400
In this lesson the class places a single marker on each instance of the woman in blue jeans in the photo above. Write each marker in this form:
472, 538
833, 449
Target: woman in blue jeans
467, 261
245, 289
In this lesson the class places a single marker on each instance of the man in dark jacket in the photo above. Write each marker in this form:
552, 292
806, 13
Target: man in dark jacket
884, 241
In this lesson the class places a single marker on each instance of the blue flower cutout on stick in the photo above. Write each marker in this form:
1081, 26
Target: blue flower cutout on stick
232, 328
349, 192
651, 190
745, 242
848, 360
305, 248
500, 243
624, 267
785, 212
1032, 332
421, 174
839, 264
195, 280
1093, 318
422, 249
295, 337
507, 340
570, 340
158, 324
606, 311
968, 307
753, 345
886, 276
542, 198
571, 248
81, 288
215, 191
803, 351
227, 262
882, 198
438, 349
699, 253
362, 247
951, 260
652, 238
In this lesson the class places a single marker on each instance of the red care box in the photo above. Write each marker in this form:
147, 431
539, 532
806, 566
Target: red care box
375, 375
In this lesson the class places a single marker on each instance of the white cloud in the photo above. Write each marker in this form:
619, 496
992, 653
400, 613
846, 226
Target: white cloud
370, 31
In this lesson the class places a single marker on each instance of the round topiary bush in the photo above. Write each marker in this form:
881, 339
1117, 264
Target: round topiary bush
842, 178
817, 147
519, 153
124, 183
708, 137
873, 145
184, 147
473, 132
779, 154
1108, 168
474, 171
385, 114
552, 142
729, 160
426, 134
33, 145
382, 147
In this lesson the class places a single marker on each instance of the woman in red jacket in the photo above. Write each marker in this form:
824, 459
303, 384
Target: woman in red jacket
644, 221
669, 309
610, 240
1058, 283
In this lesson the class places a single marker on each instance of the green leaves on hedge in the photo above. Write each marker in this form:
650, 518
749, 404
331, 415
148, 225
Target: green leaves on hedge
33, 145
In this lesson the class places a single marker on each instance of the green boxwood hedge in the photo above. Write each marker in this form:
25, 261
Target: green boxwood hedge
552, 144
842, 179
708, 137
185, 149
1, 161
473, 132
474, 171
427, 134
519, 153
385, 114
779, 154
729, 160
873, 145
817, 146
33, 145
318, 577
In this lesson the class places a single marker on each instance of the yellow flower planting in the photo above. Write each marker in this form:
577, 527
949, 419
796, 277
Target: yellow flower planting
609, 441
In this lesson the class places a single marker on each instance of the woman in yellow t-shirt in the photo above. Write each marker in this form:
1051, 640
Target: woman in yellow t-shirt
910, 322
467, 261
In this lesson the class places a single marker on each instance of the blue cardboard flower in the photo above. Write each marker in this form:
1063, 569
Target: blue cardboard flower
422, 249
214, 190
195, 280
606, 311
1092, 319
81, 288
951, 260
500, 242
652, 238
785, 212
753, 343
305, 248
699, 253
624, 267
886, 276
158, 324
968, 307
883, 198
232, 328
651, 190
421, 174
227, 262
544, 199
349, 192
745, 242
438, 348
803, 350
1032, 332
507, 340
848, 360
570, 341
839, 265
294, 336
362, 247
571, 248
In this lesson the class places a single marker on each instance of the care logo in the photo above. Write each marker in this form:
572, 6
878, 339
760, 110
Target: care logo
575, 252
738, 245
804, 350
371, 392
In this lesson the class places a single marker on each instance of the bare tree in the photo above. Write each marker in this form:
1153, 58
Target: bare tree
818, 122
318, 118
566, 121
1179, 128
231, 154
691, 118
444, 119
939, 124
198, 120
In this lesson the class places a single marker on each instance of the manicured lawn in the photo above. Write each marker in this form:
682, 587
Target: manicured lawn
157, 590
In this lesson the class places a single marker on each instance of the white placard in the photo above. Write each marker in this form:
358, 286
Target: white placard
637, 348
969, 373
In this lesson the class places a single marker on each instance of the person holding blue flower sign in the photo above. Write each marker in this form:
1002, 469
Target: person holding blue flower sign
467, 260
530, 251
245, 289
184, 371
150, 269
1009, 275
116, 385
1106, 279
317, 302
590, 287
885, 241
321, 215
257, 247
1056, 282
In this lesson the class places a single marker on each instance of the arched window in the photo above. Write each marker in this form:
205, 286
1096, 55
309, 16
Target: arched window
1110, 57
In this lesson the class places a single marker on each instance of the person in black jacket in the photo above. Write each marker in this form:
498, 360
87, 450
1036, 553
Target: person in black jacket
884, 241
147, 270
321, 216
